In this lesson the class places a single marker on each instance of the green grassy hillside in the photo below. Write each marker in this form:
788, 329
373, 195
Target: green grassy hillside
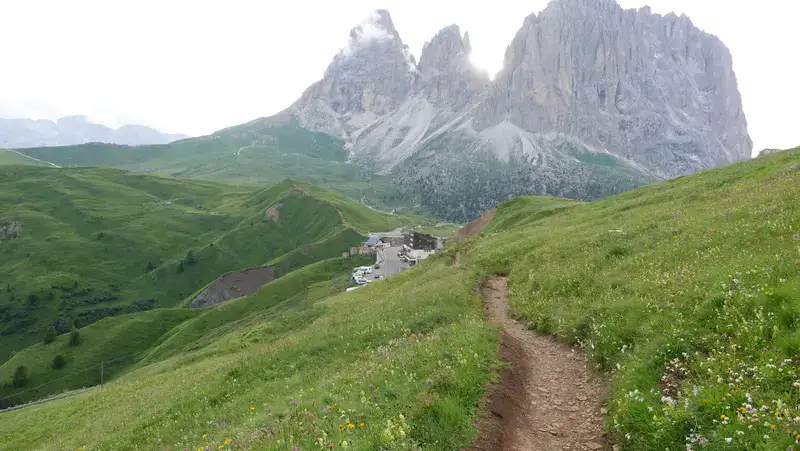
117, 343
112, 346
408, 368
78, 245
684, 295
8, 157
254, 153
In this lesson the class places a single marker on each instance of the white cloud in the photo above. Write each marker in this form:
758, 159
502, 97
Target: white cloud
365, 34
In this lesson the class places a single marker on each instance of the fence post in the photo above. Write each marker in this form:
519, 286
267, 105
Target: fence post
101, 373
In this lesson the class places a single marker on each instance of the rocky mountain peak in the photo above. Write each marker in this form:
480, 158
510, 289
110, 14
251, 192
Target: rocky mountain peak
444, 53
446, 71
652, 89
377, 28
368, 78
592, 99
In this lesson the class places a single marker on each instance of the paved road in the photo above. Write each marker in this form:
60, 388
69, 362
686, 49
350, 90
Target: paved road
389, 261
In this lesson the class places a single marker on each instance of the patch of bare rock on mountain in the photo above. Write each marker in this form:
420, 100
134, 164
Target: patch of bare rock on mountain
234, 285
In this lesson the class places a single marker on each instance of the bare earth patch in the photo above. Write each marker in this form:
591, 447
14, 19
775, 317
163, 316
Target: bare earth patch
273, 212
234, 285
474, 227
547, 398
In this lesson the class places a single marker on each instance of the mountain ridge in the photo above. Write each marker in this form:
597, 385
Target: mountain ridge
593, 100
561, 103
21, 133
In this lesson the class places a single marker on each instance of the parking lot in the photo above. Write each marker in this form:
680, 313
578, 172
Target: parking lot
389, 262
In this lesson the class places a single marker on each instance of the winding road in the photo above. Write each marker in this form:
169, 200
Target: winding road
32, 158
239, 152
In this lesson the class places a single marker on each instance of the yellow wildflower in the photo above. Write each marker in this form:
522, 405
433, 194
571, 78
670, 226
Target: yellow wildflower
723, 416
361, 425
252, 409
351, 426
227, 441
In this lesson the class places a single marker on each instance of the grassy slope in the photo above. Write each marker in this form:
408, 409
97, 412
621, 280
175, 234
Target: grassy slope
687, 293
75, 273
124, 341
636, 279
9, 158
253, 153
408, 368
217, 321
119, 342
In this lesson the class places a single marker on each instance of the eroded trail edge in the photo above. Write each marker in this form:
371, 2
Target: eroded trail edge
547, 398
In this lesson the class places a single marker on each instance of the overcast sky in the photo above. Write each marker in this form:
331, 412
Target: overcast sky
194, 66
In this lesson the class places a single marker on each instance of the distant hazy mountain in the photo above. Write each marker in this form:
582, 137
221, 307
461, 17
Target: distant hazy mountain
71, 130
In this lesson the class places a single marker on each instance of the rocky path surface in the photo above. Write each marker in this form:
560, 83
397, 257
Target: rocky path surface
546, 399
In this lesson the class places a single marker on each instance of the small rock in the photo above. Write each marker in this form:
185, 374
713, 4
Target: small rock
582, 398
594, 445
543, 390
603, 411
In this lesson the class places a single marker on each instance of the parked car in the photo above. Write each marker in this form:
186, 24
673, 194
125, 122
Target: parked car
377, 276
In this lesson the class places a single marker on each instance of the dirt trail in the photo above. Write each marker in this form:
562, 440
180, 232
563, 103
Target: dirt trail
546, 399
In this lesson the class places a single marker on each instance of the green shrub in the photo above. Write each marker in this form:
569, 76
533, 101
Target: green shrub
20, 376
50, 335
74, 337
59, 362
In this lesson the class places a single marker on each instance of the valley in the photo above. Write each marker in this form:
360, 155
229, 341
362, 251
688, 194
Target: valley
81, 245
664, 288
